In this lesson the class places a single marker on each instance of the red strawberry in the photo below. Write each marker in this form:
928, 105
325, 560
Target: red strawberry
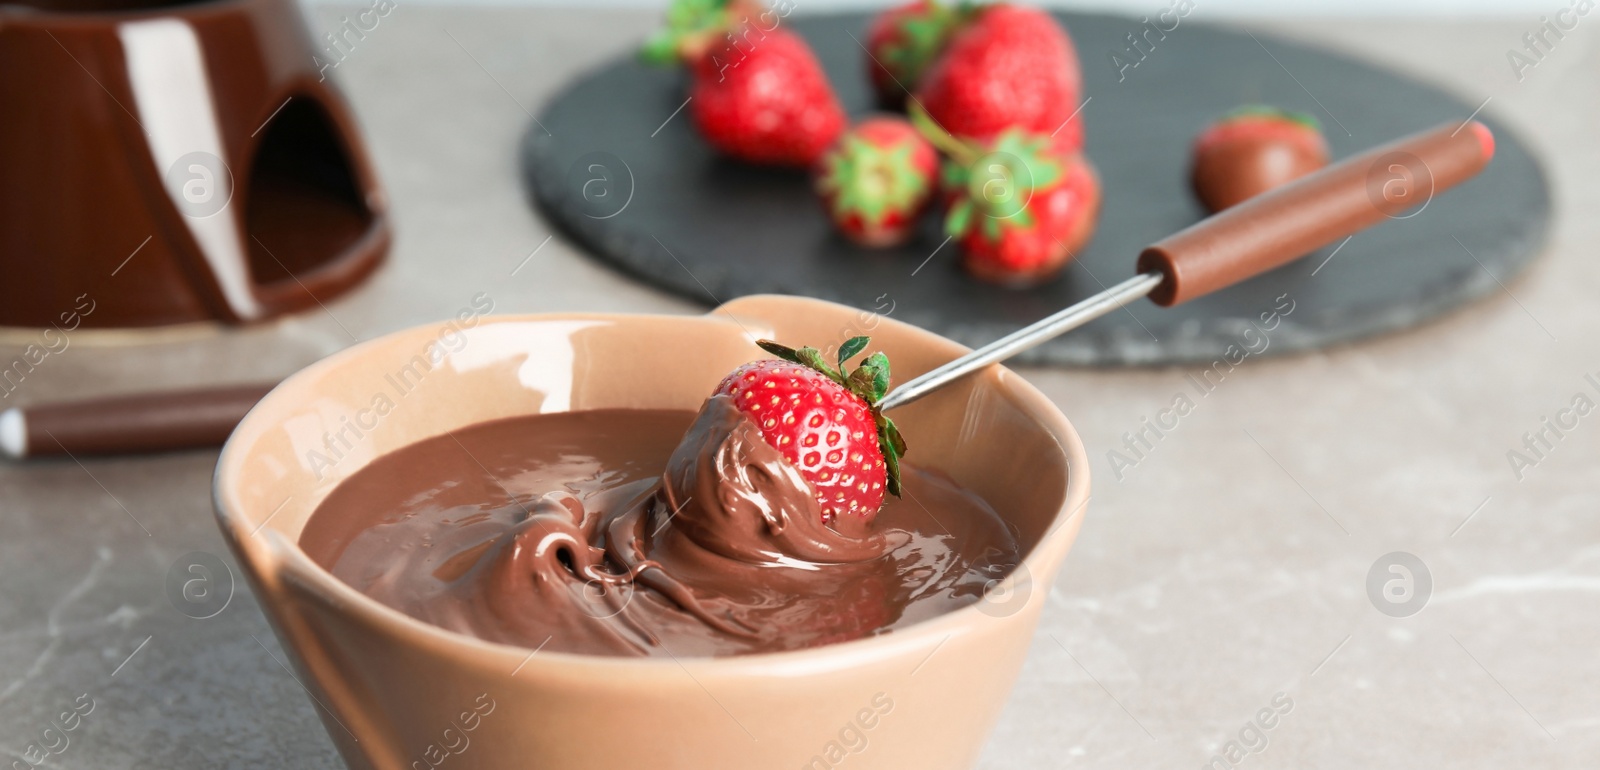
1024, 209
1252, 150
904, 41
1010, 67
765, 101
758, 93
877, 180
825, 423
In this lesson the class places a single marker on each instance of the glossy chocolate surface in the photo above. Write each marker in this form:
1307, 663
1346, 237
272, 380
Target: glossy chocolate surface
1237, 170
599, 532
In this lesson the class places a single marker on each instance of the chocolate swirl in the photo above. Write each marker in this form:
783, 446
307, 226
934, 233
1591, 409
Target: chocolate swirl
723, 552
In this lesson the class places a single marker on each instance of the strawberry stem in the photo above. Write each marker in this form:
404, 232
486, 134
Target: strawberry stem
959, 151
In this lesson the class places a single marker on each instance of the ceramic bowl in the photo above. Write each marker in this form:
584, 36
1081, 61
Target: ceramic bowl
395, 692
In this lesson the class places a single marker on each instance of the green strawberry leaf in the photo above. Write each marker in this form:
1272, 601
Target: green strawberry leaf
808, 356
812, 357
991, 228
1033, 150
660, 49
891, 466
851, 347
1267, 111
872, 181
879, 363
893, 447
782, 351
959, 220
688, 22
953, 175
861, 381
1304, 118
896, 441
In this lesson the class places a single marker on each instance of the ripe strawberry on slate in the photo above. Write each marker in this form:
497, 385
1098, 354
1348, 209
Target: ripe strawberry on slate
904, 41
757, 95
1020, 208
877, 180
1252, 150
1008, 67
825, 423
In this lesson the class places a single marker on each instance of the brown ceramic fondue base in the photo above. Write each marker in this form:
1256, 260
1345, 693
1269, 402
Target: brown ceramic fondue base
175, 162
557, 531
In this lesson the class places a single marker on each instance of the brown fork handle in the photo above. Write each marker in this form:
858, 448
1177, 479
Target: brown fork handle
145, 422
1285, 224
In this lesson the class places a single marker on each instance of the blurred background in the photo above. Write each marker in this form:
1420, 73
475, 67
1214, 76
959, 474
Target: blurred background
1431, 8
1227, 567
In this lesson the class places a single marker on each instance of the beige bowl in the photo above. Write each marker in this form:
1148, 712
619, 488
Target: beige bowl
395, 692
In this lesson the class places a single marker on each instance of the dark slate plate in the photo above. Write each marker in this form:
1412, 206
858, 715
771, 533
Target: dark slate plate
619, 171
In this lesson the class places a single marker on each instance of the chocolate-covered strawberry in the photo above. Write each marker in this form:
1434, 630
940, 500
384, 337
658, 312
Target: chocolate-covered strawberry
1008, 67
903, 43
825, 422
1252, 150
1019, 208
877, 180
757, 95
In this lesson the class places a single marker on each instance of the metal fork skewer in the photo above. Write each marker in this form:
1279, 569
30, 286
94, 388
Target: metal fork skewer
1024, 338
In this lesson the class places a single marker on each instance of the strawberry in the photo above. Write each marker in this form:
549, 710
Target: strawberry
825, 423
1022, 208
877, 180
1252, 150
758, 93
769, 103
904, 41
1010, 67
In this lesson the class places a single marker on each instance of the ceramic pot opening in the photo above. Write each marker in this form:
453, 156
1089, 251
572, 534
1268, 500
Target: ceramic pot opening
303, 203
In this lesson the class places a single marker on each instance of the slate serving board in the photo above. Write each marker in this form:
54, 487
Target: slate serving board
616, 164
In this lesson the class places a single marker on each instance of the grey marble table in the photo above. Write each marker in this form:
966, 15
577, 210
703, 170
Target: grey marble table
1223, 572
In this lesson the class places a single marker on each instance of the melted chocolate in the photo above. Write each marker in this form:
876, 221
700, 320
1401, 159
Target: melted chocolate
600, 532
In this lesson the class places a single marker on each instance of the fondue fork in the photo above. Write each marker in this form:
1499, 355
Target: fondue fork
1252, 237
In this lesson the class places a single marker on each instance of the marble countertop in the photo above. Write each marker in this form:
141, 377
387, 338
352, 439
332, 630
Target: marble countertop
1225, 572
